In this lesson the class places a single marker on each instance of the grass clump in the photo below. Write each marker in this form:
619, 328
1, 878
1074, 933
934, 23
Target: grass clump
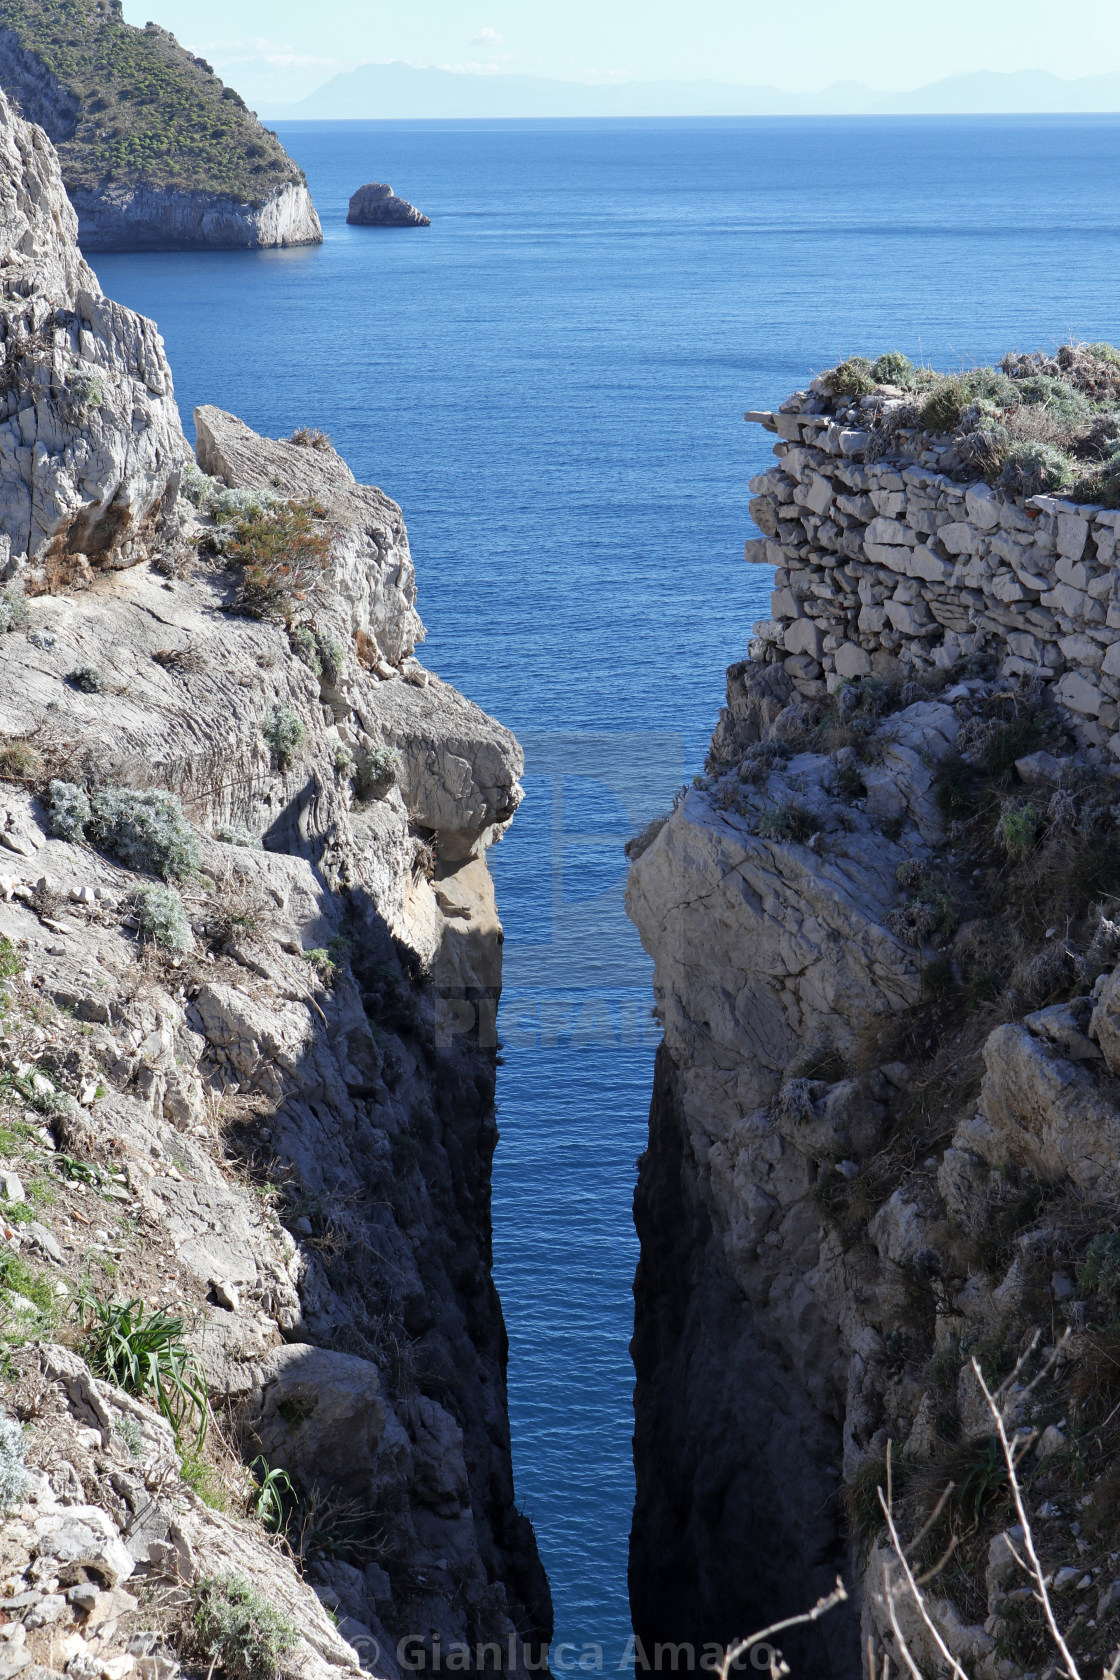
283, 550
162, 918
285, 732
310, 437
237, 1628
20, 761
144, 1354
791, 821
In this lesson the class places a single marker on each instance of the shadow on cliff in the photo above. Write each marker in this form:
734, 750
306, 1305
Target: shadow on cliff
735, 1521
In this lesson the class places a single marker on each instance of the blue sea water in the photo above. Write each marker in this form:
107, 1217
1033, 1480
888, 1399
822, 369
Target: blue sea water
550, 380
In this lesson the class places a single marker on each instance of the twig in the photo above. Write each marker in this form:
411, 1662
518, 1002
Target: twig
837, 1596
915, 1591
1035, 1565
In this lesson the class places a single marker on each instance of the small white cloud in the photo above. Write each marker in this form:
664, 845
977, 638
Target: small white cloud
258, 51
486, 38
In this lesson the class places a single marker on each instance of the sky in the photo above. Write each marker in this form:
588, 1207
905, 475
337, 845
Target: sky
274, 51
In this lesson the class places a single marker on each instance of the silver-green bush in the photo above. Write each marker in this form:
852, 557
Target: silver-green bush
236, 834
68, 810
162, 918
145, 829
378, 771
13, 1472
88, 678
13, 610
285, 732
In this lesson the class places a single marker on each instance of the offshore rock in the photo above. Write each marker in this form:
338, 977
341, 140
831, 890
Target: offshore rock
91, 448
376, 205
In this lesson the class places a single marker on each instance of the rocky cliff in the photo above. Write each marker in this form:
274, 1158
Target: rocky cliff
885, 1132
253, 1358
156, 153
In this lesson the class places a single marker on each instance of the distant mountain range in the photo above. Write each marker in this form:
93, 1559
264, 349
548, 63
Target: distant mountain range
403, 90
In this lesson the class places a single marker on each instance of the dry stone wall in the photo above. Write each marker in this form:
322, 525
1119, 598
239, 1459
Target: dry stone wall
891, 565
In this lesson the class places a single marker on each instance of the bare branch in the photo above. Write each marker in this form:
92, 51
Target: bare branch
838, 1595
915, 1591
1035, 1569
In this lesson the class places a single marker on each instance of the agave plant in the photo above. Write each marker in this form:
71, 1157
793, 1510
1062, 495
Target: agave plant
145, 1355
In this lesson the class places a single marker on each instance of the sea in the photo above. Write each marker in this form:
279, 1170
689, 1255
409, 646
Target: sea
551, 381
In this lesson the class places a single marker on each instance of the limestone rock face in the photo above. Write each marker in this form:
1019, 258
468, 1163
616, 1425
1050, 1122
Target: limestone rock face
293, 1106
91, 447
377, 205
371, 564
804, 1185
148, 218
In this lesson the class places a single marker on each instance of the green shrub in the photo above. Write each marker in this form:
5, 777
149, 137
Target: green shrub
162, 918
84, 390
13, 610
790, 821
88, 679
1035, 469
378, 771
320, 652
285, 732
1104, 353
1101, 1271
13, 1472
68, 811
145, 829
238, 1629
11, 963
1102, 485
145, 1356
284, 551
1054, 394
236, 834
893, 369
1017, 830
197, 487
852, 378
343, 759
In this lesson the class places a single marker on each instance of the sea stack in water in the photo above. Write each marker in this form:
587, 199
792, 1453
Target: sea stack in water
377, 205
